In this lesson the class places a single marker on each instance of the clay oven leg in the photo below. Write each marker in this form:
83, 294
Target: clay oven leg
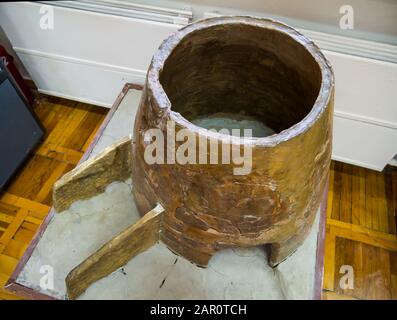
282, 250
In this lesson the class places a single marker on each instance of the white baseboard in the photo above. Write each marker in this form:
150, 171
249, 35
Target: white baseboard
364, 144
74, 98
357, 163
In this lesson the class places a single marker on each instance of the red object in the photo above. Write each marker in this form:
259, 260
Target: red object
8, 61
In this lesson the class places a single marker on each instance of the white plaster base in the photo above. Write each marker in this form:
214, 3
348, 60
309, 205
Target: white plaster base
158, 273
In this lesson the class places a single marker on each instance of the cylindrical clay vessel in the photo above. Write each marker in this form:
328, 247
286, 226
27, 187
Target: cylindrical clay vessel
245, 66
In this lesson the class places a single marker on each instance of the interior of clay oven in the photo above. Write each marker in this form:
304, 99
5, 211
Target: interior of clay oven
244, 71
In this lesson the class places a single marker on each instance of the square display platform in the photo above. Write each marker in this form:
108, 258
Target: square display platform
65, 240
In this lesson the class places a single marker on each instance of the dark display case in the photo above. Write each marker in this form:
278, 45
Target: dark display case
20, 130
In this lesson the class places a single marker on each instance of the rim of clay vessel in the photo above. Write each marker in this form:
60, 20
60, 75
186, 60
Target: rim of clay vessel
163, 103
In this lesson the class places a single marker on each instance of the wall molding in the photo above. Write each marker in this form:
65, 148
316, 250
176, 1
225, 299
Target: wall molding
127, 9
108, 77
141, 74
353, 46
364, 119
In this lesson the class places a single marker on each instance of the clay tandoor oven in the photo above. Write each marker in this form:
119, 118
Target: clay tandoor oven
245, 66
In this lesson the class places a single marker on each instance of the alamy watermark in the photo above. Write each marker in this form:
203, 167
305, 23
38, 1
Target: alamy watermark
198, 149
347, 280
47, 280
47, 17
346, 21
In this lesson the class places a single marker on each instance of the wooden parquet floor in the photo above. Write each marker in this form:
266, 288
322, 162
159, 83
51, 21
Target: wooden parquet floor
70, 127
361, 233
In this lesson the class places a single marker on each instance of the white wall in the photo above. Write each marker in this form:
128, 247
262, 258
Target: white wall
89, 56
365, 117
